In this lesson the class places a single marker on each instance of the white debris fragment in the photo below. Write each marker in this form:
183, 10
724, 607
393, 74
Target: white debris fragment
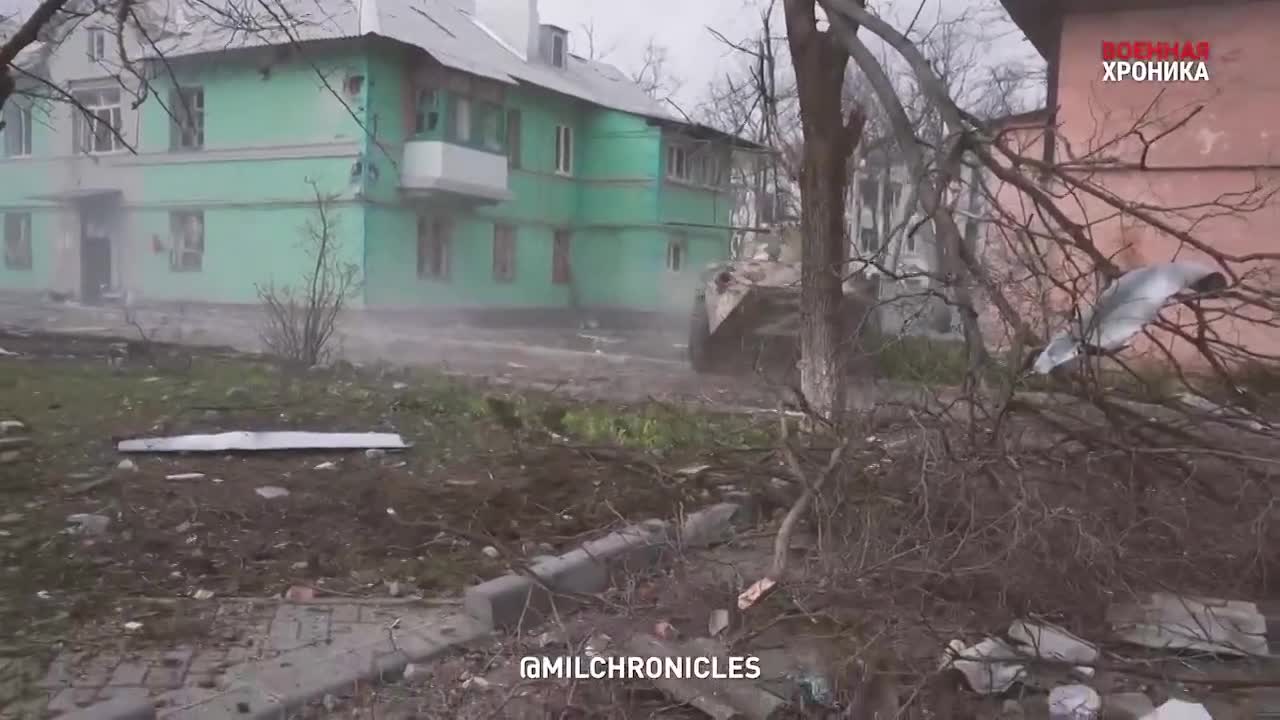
127, 465
491, 552
6, 353
981, 666
1179, 710
399, 385
184, 476
374, 453
272, 492
257, 441
202, 594
1074, 702
327, 466
718, 622
87, 524
1053, 643
12, 426
1166, 621
692, 470
133, 626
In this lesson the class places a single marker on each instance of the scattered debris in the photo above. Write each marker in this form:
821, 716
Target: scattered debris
132, 626
1053, 643
300, 593
393, 588
375, 453
1206, 405
202, 595
87, 524
271, 492
1126, 706
718, 622
327, 466
754, 594
814, 687
127, 465
491, 552
982, 665
692, 471
185, 476
1074, 702
416, 673
43, 595
12, 427
665, 631
10, 518
1179, 710
7, 353
399, 385
259, 441
1166, 621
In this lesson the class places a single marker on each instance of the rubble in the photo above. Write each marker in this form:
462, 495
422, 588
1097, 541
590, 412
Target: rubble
1179, 710
1164, 621
1074, 702
88, 524
272, 492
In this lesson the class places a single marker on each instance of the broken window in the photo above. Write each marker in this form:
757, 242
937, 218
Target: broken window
17, 128
558, 54
870, 240
869, 193
97, 49
677, 163
513, 139
17, 241
435, 238
186, 126
489, 126
426, 111
97, 122
564, 150
892, 194
504, 253
186, 230
461, 119
561, 272
677, 246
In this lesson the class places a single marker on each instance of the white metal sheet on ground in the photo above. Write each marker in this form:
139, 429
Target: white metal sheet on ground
274, 440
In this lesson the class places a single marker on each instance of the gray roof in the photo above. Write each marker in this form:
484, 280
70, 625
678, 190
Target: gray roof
452, 36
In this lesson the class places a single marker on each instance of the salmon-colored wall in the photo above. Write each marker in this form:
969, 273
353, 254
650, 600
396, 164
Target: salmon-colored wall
1228, 152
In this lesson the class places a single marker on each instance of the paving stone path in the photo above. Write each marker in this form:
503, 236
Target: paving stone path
250, 640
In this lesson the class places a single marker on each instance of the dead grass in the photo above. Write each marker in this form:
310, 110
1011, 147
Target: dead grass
527, 487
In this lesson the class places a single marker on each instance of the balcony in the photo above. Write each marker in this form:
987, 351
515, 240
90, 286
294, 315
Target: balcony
436, 168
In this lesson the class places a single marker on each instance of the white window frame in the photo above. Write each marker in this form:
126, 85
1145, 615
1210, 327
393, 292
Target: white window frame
102, 105
435, 233
678, 165
187, 240
17, 130
564, 150
96, 38
22, 223
677, 252
188, 102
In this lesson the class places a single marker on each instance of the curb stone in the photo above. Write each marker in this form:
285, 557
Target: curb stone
517, 600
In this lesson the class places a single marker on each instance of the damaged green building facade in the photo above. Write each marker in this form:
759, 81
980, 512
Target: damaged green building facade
465, 159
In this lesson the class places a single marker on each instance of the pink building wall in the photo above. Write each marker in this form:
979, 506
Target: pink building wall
1232, 145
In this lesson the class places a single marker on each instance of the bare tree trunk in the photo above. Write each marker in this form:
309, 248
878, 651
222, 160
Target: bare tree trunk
823, 257
829, 141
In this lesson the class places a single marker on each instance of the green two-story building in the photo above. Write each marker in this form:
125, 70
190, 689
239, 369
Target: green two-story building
466, 159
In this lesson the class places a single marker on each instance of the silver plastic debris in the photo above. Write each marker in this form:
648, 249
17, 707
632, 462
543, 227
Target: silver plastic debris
256, 441
1167, 621
1125, 307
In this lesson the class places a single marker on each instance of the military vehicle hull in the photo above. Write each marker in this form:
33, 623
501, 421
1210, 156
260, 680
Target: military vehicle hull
746, 318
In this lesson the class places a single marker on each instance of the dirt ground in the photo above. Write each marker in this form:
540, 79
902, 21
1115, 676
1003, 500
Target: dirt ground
471, 479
